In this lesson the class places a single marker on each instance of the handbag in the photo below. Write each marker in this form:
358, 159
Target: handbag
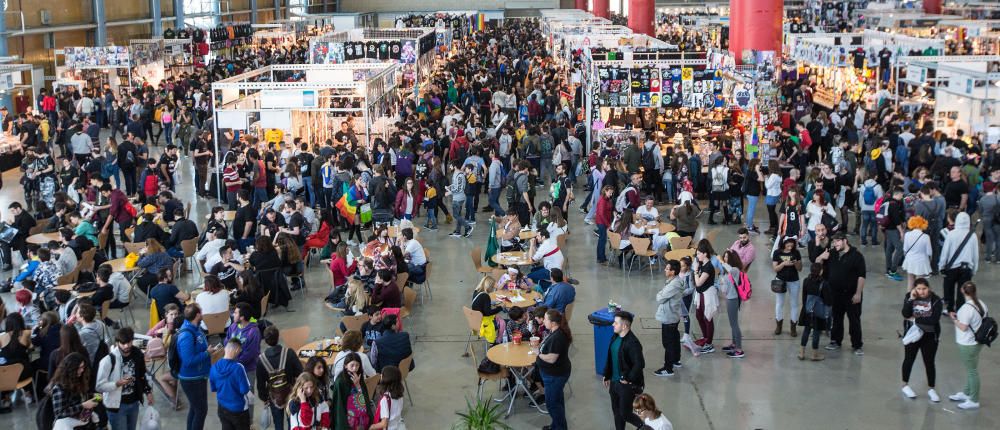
488, 367
913, 334
7, 232
778, 286
366, 213
264, 422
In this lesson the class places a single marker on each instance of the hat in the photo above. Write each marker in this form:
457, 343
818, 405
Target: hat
149, 209
512, 270
839, 236
876, 153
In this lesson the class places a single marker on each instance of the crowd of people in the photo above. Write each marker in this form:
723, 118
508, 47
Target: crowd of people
496, 119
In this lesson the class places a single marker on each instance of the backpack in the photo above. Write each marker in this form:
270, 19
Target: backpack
869, 195
174, 356
648, 160
279, 388
621, 203
987, 331
512, 188
546, 144
743, 287
45, 416
882, 213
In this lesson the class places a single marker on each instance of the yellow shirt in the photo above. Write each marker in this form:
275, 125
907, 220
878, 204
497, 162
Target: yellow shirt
273, 135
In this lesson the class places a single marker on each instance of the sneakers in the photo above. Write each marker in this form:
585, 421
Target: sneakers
455, 234
832, 347
736, 353
588, 221
894, 276
959, 397
678, 365
663, 372
729, 348
707, 349
908, 392
469, 232
859, 352
968, 404
933, 395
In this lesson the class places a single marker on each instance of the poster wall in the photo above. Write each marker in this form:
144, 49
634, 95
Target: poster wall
95, 57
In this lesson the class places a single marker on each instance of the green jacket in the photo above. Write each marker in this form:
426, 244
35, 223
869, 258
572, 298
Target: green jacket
340, 391
87, 230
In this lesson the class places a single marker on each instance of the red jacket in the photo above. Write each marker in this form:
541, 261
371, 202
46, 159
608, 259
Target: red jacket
340, 269
604, 212
458, 143
304, 416
400, 207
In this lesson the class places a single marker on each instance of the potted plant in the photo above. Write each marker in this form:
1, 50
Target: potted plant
481, 416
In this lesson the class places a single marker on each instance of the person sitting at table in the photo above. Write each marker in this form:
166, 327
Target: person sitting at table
153, 258
217, 222
626, 227
226, 267
392, 347
560, 294
661, 241
354, 299
214, 299
536, 321
271, 223
685, 218
264, 256
386, 294
105, 291
27, 270
542, 215
210, 245
183, 229
248, 291
78, 244
320, 237
371, 329
481, 301
65, 304
514, 279
516, 321
165, 292
16, 351
352, 342
64, 257
288, 252
508, 233
397, 256
148, 228
544, 250
647, 211
413, 254
23, 222
83, 228
29, 312
45, 337
165, 329
558, 225
58, 218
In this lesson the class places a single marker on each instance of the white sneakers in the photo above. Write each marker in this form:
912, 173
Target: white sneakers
966, 403
933, 395
908, 392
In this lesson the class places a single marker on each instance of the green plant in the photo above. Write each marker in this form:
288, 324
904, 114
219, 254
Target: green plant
481, 416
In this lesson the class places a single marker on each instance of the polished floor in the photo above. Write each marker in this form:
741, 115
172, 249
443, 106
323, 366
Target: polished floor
768, 389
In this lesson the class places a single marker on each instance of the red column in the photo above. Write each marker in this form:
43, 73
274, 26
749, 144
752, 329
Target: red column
641, 14
933, 6
581, 4
601, 8
756, 25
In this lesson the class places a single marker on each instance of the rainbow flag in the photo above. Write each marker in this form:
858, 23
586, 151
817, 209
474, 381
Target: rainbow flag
348, 203
481, 22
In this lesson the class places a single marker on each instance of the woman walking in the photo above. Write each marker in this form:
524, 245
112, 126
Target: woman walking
922, 308
772, 187
917, 251
786, 262
732, 267
604, 215
967, 321
816, 311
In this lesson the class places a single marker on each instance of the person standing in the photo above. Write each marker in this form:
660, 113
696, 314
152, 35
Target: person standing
921, 307
496, 182
705, 299
121, 377
787, 262
603, 216
893, 231
847, 280
459, 180
276, 359
968, 320
554, 366
196, 361
959, 260
229, 380
623, 371
816, 311
670, 300
732, 268
917, 251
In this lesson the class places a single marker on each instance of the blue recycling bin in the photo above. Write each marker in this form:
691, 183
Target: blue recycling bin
602, 320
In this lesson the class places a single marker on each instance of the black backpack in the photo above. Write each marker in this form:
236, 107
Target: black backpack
987, 331
648, 162
45, 416
173, 356
512, 194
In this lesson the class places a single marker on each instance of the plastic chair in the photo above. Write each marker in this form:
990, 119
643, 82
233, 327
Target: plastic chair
216, 323
401, 279
404, 370
295, 338
189, 247
102, 240
484, 377
680, 242
134, 247
353, 322
10, 378
426, 285
69, 278
129, 234
409, 297
477, 261
263, 304
614, 239
640, 248
474, 319
569, 312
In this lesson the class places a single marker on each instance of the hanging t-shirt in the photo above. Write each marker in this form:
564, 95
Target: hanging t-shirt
395, 50
371, 50
349, 53
169, 34
883, 58
859, 58
359, 49
383, 50
183, 34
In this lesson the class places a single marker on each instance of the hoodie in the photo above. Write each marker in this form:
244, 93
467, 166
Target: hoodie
249, 337
192, 346
861, 195
228, 380
968, 255
669, 301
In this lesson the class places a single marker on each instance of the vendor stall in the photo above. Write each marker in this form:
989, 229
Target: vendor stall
11, 82
961, 92
412, 48
93, 67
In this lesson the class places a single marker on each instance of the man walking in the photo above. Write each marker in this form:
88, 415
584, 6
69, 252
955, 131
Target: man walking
623, 371
847, 279
668, 312
894, 235
196, 361
229, 381
496, 183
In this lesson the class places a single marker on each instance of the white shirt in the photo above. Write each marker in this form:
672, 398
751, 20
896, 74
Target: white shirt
416, 252
660, 423
366, 364
650, 214
554, 261
213, 304
814, 214
208, 249
392, 411
773, 185
968, 315
555, 231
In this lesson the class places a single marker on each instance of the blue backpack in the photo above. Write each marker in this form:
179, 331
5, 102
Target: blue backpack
869, 195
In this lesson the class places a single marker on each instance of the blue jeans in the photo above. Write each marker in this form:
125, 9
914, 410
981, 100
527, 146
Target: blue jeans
168, 130
259, 196
278, 416
175, 252
554, 399
470, 208
668, 186
196, 392
495, 202
540, 276
126, 417
602, 243
992, 233
432, 216
309, 189
868, 227
461, 225
751, 208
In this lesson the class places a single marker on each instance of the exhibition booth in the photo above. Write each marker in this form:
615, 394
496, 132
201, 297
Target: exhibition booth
92, 67
11, 82
153, 60
411, 48
955, 92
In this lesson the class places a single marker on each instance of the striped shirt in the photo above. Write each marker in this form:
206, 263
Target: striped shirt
230, 174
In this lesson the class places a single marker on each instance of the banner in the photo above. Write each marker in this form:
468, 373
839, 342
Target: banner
89, 57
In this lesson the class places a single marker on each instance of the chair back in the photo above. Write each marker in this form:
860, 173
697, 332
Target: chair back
640, 245
129, 234
477, 257
354, 322
216, 323
680, 242
561, 241
404, 367
263, 304
371, 383
10, 375
409, 297
133, 247
87, 260
614, 239
401, 280
102, 240
295, 338
569, 312
69, 278
473, 318
189, 247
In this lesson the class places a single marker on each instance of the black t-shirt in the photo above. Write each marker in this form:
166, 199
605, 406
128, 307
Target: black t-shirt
845, 270
710, 270
244, 215
371, 50
953, 193
792, 214
555, 343
859, 58
297, 220
883, 58
395, 50
787, 273
226, 274
383, 50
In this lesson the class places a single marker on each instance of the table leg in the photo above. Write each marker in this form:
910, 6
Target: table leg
520, 381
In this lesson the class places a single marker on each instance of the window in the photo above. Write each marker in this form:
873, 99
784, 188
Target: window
201, 13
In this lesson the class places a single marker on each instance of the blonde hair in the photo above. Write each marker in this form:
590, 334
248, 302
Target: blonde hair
485, 285
356, 294
644, 402
304, 378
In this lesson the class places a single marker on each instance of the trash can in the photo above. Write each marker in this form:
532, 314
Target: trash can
602, 320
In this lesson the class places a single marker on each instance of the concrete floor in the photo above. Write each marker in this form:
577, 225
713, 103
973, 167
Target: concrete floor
768, 389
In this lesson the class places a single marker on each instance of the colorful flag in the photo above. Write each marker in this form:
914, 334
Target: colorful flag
481, 22
348, 203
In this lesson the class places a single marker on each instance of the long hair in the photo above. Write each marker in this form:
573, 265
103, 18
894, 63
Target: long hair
65, 375
557, 317
153, 246
705, 247
732, 259
391, 382
969, 289
69, 341
310, 365
303, 379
